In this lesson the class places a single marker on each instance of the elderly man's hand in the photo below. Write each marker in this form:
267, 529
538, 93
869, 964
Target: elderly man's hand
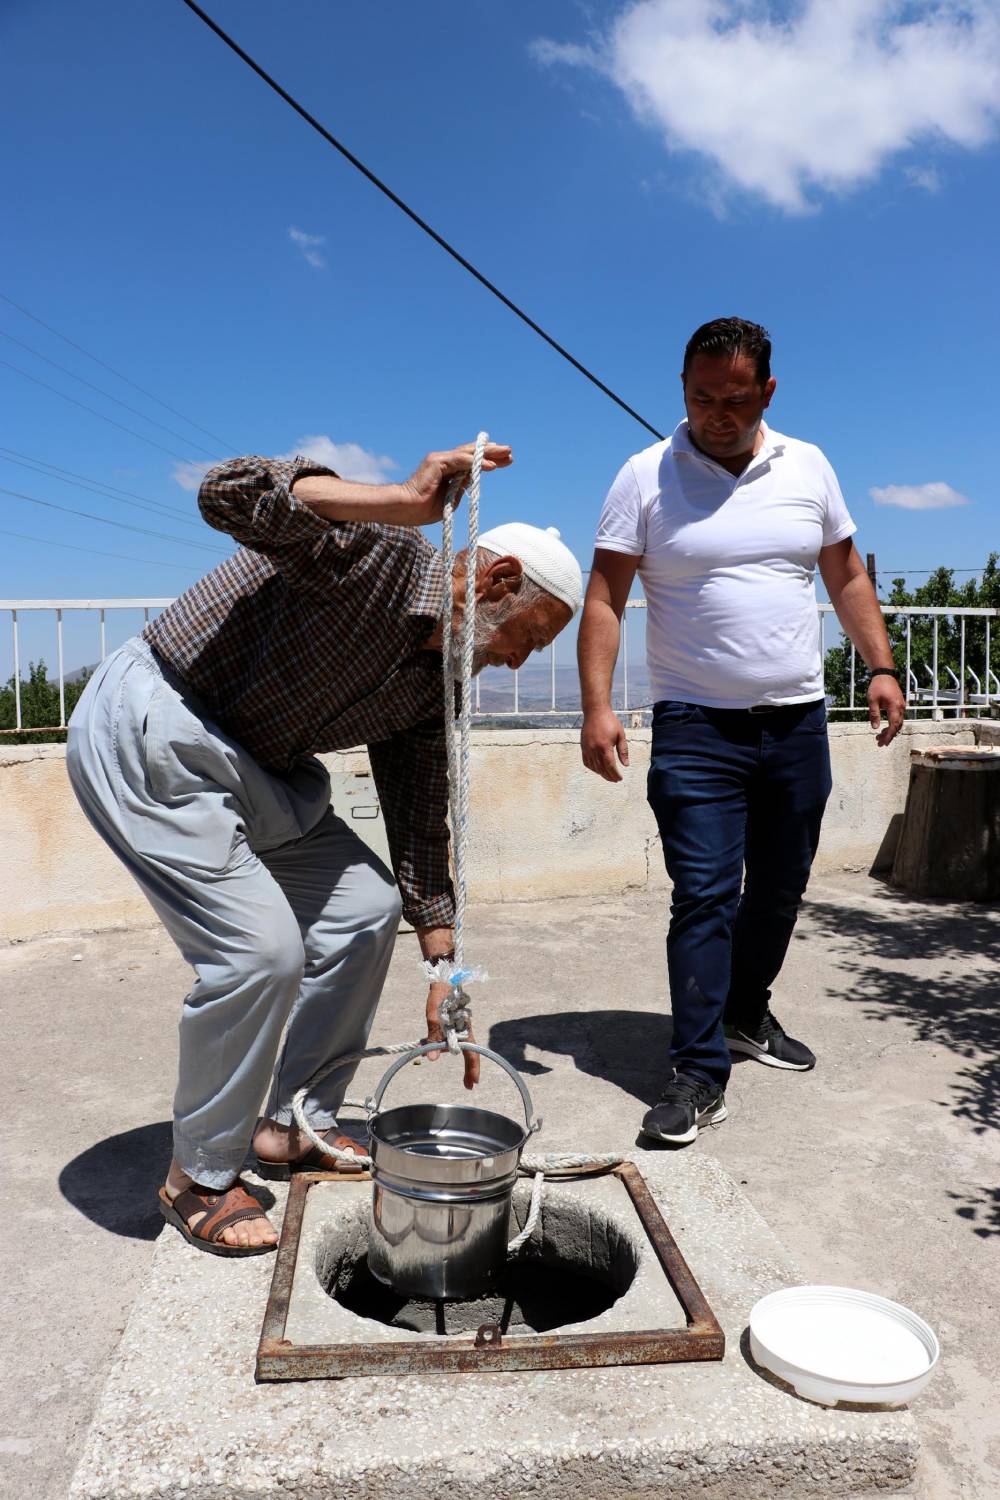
435, 1033
427, 488
885, 696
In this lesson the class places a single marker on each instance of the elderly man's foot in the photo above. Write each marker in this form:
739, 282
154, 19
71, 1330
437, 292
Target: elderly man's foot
282, 1150
223, 1221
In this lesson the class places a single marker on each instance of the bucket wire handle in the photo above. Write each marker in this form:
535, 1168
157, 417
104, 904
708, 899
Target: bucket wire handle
374, 1103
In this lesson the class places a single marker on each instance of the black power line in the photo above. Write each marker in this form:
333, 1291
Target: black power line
88, 515
94, 412
411, 214
96, 487
106, 394
22, 536
228, 447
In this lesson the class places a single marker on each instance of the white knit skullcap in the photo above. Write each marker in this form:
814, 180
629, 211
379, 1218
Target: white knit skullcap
543, 557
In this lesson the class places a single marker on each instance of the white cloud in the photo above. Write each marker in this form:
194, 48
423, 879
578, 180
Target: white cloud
918, 496
307, 244
189, 474
784, 101
928, 178
349, 460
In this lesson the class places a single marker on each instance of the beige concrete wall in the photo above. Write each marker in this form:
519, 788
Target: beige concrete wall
542, 825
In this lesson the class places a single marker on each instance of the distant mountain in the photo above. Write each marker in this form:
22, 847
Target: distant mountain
535, 692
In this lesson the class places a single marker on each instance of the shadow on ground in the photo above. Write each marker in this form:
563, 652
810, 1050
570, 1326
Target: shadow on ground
957, 1006
114, 1182
625, 1047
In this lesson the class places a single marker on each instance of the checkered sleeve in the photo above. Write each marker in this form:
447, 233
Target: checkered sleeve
411, 773
250, 499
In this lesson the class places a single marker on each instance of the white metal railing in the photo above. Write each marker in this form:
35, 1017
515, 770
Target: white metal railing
931, 696
17, 607
973, 689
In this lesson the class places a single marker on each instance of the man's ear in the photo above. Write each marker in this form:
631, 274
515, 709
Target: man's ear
501, 578
769, 390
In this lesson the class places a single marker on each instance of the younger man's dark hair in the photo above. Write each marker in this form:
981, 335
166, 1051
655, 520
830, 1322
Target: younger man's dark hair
732, 336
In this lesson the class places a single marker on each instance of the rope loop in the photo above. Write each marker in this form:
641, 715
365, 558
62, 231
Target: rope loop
455, 1010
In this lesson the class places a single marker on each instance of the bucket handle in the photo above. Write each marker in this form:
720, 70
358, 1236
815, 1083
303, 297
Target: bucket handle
374, 1103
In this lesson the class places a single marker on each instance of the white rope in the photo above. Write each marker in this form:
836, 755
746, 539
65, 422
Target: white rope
350, 1158
534, 1212
455, 1012
554, 1164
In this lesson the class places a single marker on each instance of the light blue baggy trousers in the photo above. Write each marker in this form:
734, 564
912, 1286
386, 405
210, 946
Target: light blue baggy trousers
284, 913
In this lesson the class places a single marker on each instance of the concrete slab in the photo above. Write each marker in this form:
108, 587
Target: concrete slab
879, 1169
181, 1414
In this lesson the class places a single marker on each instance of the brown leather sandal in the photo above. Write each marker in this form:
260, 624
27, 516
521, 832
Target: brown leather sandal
232, 1206
314, 1160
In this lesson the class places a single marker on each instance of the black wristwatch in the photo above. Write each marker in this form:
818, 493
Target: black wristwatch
883, 672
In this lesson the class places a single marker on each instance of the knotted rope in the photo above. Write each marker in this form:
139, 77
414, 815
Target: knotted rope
455, 1011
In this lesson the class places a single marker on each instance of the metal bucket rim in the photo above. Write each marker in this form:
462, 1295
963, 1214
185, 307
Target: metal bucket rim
520, 1134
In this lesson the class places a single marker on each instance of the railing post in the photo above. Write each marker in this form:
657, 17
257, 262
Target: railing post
987, 678
17, 673
935, 711
625, 659
62, 681
961, 667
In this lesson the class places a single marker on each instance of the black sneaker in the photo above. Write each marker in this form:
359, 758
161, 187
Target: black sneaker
768, 1043
686, 1106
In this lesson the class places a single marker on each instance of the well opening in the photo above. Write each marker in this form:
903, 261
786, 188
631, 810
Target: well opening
575, 1266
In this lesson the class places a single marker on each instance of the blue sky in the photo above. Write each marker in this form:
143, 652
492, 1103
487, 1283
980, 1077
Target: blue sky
622, 171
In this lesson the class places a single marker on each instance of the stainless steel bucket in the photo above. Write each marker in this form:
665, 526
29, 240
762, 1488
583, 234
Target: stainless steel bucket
443, 1177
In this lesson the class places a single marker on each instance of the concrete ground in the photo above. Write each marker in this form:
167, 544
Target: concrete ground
878, 1170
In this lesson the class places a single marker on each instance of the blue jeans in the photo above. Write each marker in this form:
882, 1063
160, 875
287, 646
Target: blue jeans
731, 789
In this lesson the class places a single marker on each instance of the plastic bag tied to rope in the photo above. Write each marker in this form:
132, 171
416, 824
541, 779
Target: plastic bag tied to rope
455, 1013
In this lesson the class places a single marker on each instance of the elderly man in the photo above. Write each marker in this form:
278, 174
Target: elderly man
192, 752
726, 522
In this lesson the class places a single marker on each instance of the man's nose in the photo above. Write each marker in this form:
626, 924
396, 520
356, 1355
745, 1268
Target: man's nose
517, 659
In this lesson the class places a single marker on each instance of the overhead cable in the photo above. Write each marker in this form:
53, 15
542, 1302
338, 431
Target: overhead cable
88, 515
94, 412
45, 541
106, 394
97, 487
227, 447
412, 214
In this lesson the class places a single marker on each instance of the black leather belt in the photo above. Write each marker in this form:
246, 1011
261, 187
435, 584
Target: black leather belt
777, 708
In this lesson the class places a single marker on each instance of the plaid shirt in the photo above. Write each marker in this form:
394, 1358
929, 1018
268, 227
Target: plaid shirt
311, 638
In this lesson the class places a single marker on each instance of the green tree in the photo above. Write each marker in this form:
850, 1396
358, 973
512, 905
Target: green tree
939, 592
39, 707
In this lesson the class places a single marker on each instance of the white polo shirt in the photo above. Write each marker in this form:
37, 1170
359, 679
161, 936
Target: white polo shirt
727, 564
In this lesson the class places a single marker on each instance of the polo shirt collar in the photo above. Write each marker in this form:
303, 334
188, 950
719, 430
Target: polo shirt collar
773, 444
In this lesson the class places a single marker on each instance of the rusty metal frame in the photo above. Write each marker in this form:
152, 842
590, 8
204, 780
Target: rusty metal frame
278, 1359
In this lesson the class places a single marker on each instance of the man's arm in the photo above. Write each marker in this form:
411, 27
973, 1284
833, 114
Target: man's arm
602, 735
411, 774
418, 501
857, 607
